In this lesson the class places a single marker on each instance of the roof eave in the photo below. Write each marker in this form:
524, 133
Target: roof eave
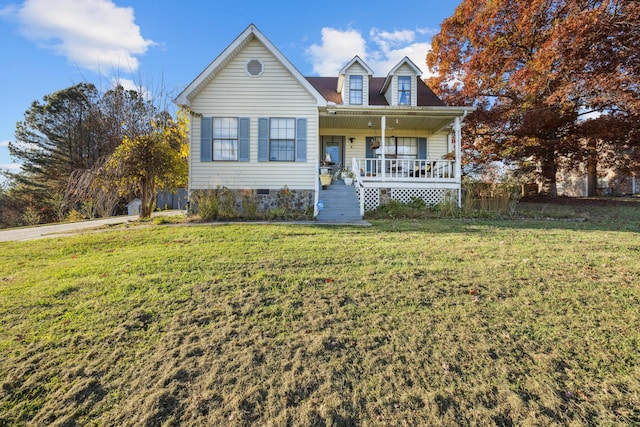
455, 111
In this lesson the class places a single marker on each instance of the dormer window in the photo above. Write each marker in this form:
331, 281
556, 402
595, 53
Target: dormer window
353, 82
404, 90
355, 90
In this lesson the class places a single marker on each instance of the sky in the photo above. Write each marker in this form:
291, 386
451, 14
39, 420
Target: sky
161, 45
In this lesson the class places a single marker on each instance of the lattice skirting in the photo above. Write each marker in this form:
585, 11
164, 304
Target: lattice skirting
374, 197
371, 197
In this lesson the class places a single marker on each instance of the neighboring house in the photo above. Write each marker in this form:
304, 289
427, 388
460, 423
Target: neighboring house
572, 183
258, 126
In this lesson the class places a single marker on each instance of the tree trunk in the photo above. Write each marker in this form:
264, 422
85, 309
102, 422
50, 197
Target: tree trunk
592, 169
548, 171
148, 199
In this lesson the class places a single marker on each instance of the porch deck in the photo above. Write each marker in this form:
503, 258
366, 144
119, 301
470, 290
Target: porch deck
378, 181
404, 170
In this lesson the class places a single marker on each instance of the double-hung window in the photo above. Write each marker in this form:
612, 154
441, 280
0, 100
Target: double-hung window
225, 138
404, 90
282, 139
400, 148
355, 90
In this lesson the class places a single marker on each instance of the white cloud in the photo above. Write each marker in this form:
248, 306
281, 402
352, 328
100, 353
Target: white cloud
127, 84
4, 143
95, 34
337, 48
381, 51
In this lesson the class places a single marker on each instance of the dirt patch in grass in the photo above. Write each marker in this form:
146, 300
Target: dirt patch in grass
403, 323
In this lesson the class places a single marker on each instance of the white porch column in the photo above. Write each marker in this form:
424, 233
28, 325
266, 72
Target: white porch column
458, 164
383, 127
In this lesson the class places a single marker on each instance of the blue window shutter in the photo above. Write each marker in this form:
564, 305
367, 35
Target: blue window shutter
243, 139
205, 140
301, 140
369, 154
422, 148
263, 140
368, 150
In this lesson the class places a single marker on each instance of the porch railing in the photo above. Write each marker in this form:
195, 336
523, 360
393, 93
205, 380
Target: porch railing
404, 169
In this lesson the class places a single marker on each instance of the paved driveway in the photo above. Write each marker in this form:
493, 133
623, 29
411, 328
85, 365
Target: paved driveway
56, 230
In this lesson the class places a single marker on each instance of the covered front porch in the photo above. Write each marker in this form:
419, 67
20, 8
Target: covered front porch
395, 153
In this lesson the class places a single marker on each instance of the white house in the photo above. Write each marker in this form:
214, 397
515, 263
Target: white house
258, 126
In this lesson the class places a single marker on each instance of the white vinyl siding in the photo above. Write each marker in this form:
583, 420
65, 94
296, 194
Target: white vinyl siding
275, 94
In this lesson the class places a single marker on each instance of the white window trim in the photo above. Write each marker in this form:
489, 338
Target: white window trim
213, 139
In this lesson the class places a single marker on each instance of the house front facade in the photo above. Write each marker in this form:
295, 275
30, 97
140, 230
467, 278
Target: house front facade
259, 126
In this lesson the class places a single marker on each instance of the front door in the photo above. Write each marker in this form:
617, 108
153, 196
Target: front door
333, 149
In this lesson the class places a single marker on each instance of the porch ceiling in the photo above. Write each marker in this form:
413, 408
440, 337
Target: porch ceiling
429, 120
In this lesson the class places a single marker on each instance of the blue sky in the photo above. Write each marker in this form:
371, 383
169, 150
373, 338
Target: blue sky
161, 45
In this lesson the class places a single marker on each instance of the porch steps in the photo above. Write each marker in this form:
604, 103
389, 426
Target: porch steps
340, 203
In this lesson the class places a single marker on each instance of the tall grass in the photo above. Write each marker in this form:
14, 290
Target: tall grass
483, 198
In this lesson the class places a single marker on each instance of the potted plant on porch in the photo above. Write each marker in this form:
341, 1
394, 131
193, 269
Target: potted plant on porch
325, 180
347, 177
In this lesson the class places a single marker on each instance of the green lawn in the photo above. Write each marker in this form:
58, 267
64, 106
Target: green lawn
431, 322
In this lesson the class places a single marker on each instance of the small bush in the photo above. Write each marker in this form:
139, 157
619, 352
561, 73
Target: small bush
395, 209
215, 204
448, 207
417, 203
205, 205
31, 217
74, 216
87, 209
250, 206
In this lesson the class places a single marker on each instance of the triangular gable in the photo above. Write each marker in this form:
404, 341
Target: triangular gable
359, 61
251, 33
344, 69
404, 61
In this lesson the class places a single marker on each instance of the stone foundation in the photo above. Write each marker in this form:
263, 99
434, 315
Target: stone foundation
256, 204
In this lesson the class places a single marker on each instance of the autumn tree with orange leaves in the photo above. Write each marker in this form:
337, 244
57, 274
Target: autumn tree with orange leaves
553, 81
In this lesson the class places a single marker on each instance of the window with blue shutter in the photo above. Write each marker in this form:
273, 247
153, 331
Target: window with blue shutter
282, 139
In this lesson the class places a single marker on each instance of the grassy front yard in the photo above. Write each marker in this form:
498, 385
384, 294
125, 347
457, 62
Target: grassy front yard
434, 322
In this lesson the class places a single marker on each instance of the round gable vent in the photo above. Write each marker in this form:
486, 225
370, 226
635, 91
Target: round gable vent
254, 68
